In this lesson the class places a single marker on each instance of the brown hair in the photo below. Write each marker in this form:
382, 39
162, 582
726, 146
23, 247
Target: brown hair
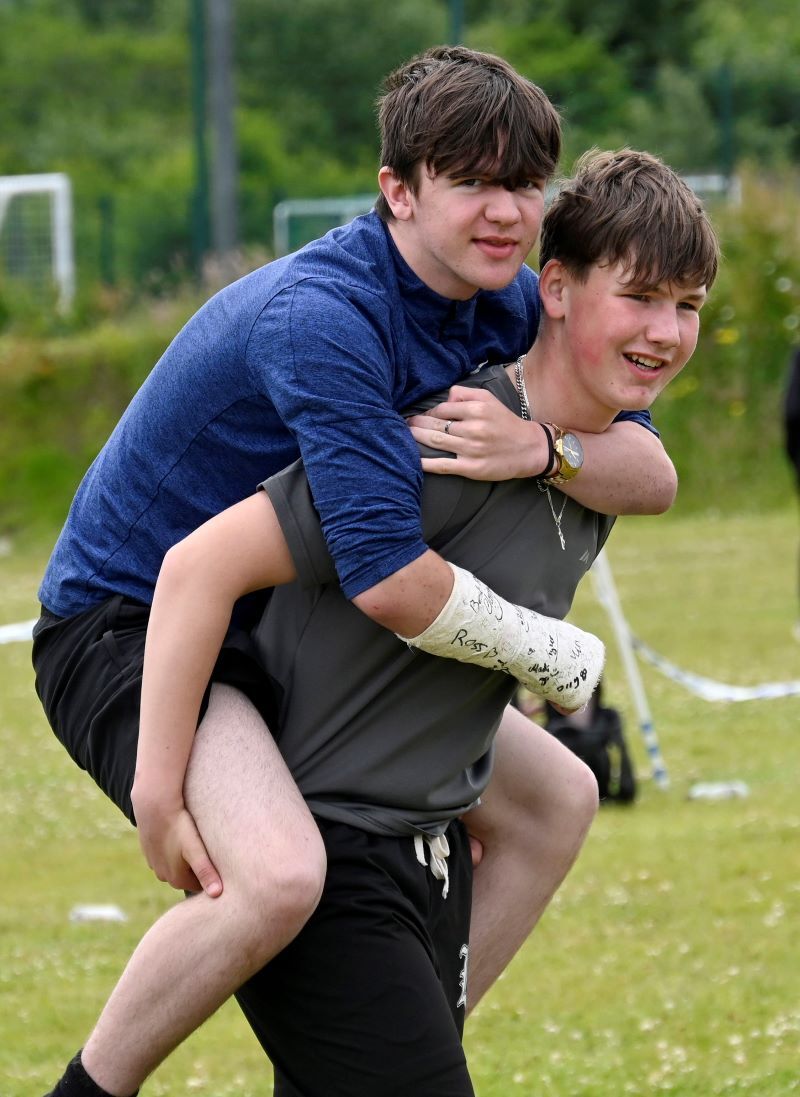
453, 109
629, 207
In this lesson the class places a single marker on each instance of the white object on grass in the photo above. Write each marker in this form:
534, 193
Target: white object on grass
97, 912
21, 630
718, 790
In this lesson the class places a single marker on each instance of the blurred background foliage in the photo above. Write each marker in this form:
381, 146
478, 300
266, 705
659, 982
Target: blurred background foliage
103, 92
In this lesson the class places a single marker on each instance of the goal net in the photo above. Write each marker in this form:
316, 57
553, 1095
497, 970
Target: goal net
296, 221
36, 245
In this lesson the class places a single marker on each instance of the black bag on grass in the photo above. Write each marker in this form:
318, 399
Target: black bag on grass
596, 736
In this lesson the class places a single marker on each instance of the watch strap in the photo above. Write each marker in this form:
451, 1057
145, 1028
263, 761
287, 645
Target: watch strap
552, 461
562, 472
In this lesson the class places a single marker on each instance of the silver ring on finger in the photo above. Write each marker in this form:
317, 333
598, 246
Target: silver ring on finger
447, 426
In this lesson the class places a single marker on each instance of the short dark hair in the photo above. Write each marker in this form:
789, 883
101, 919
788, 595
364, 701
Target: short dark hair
630, 207
452, 109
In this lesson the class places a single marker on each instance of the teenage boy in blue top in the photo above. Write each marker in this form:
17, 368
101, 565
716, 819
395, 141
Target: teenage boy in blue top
317, 354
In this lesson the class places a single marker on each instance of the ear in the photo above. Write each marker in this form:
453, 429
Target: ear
397, 194
553, 283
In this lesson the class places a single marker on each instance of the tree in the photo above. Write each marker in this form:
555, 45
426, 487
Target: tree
588, 86
318, 64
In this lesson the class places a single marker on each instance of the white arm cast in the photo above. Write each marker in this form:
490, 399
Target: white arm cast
551, 658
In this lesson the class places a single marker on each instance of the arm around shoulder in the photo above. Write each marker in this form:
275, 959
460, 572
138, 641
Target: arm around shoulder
626, 470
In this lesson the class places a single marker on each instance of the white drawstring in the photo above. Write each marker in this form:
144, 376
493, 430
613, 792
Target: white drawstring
439, 852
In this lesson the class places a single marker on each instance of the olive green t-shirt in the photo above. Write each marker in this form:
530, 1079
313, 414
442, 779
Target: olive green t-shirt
382, 736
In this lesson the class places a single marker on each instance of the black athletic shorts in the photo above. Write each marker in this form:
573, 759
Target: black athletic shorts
369, 999
89, 680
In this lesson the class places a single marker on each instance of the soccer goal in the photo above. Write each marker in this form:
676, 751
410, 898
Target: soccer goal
296, 221
36, 234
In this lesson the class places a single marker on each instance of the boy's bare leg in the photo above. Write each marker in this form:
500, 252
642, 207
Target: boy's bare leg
532, 821
262, 838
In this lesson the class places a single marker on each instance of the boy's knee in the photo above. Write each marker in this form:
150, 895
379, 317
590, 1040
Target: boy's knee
573, 801
583, 795
562, 811
290, 890
272, 908
298, 888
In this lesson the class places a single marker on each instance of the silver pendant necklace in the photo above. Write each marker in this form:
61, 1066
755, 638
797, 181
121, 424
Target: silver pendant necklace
525, 408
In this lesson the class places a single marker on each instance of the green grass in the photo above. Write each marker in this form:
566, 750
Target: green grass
668, 962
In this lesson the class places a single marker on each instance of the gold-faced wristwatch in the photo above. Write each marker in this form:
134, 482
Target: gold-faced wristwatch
569, 456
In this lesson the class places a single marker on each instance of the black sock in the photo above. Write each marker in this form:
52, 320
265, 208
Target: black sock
75, 1082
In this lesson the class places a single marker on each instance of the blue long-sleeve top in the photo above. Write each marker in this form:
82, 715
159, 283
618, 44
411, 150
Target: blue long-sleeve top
313, 355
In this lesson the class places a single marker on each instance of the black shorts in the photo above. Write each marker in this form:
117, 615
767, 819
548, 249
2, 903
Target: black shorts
89, 680
369, 999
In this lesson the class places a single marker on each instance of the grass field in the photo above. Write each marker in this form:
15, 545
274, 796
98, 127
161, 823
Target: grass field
668, 962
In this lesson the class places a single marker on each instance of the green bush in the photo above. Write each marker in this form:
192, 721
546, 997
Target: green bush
60, 398
721, 419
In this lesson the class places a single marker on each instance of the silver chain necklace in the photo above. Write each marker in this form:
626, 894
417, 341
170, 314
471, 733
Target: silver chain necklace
525, 407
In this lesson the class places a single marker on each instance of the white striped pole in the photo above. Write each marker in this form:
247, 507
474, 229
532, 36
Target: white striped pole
607, 596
